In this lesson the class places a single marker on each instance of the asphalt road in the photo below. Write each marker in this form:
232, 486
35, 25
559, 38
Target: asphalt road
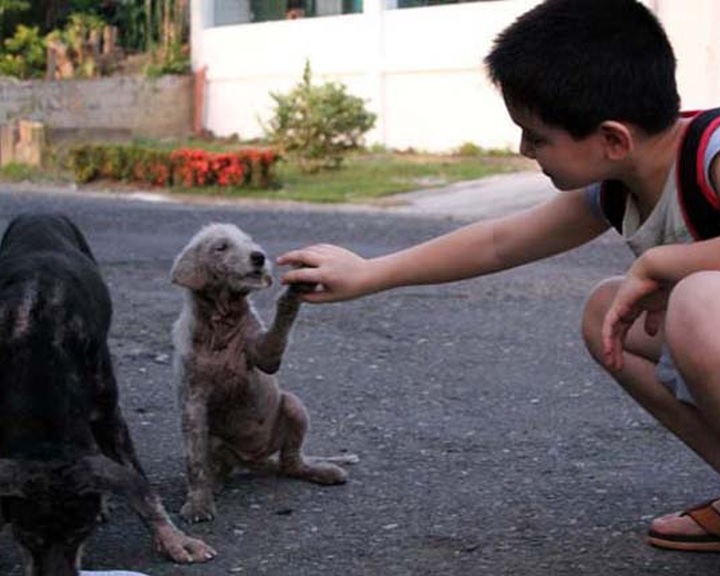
489, 442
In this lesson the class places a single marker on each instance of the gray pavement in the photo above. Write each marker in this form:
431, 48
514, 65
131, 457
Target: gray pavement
478, 199
490, 444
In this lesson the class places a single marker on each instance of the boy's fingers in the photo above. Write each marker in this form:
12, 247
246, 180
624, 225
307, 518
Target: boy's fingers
304, 275
613, 335
613, 355
295, 257
308, 256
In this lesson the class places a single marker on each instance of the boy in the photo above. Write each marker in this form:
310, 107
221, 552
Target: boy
591, 84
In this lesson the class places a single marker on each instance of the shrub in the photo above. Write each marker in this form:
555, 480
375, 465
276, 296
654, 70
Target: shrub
250, 167
78, 41
82, 161
24, 54
316, 126
185, 167
175, 61
469, 149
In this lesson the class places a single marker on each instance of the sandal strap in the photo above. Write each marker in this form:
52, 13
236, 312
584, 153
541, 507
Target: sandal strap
707, 516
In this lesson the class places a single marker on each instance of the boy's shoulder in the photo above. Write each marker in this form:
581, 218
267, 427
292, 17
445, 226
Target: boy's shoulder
696, 194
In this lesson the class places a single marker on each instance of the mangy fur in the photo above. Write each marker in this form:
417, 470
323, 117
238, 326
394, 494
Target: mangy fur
233, 411
63, 440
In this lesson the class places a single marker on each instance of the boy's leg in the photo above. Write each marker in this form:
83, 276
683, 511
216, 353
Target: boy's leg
693, 338
639, 374
689, 326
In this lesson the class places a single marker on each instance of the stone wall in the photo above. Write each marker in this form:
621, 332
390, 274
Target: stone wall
127, 105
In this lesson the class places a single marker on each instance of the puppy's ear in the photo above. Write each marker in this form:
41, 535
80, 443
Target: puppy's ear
188, 270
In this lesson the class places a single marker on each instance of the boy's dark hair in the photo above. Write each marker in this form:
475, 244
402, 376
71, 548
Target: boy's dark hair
578, 63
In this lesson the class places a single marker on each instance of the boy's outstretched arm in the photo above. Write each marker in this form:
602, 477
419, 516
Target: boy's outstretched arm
480, 248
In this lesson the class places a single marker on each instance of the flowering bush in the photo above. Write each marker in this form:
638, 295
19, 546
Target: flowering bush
186, 167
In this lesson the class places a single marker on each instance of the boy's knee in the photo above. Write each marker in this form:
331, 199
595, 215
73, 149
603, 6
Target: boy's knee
692, 301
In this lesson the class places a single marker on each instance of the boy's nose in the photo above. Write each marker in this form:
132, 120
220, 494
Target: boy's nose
527, 149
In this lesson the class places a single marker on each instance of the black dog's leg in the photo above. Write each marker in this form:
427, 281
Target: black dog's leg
113, 437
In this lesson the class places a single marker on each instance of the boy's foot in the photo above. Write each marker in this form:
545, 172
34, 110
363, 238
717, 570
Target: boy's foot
697, 529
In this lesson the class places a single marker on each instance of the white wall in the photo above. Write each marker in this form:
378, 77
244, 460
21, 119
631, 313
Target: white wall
419, 69
695, 35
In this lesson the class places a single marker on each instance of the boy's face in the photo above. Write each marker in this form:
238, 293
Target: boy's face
568, 162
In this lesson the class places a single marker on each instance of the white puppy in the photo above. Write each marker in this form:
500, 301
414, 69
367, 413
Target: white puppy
233, 411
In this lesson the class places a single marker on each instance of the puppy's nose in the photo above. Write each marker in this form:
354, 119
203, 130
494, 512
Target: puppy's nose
257, 259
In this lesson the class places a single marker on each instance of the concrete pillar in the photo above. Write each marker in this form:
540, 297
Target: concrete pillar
30, 148
8, 137
22, 142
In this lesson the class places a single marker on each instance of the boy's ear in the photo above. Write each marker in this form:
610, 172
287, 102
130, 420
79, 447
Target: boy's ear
617, 139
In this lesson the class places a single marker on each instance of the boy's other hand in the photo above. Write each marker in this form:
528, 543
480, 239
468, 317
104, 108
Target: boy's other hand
635, 295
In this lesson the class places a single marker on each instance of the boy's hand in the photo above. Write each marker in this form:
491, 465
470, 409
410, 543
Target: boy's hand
297, 288
636, 294
334, 273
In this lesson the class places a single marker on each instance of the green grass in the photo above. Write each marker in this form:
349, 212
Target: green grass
14, 172
366, 177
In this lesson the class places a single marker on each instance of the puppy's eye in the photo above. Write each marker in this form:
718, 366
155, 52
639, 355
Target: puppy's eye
221, 247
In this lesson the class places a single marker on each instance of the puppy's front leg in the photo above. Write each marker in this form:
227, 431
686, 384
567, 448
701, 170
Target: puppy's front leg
199, 505
267, 349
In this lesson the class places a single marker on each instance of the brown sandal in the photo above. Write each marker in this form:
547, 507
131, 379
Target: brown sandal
707, 517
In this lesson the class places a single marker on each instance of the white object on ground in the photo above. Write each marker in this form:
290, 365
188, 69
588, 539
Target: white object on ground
110, 573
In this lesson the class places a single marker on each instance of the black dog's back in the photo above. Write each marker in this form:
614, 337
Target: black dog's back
43, 233
55, 313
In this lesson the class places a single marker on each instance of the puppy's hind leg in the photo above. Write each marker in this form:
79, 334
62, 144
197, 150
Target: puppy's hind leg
294, 421
222, 462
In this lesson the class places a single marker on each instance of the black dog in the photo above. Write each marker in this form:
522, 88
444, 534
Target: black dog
63, 440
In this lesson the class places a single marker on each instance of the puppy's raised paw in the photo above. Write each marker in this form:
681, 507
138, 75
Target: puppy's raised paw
302, 287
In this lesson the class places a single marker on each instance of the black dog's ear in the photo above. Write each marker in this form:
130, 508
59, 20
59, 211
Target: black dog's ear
188, 270
78, 237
